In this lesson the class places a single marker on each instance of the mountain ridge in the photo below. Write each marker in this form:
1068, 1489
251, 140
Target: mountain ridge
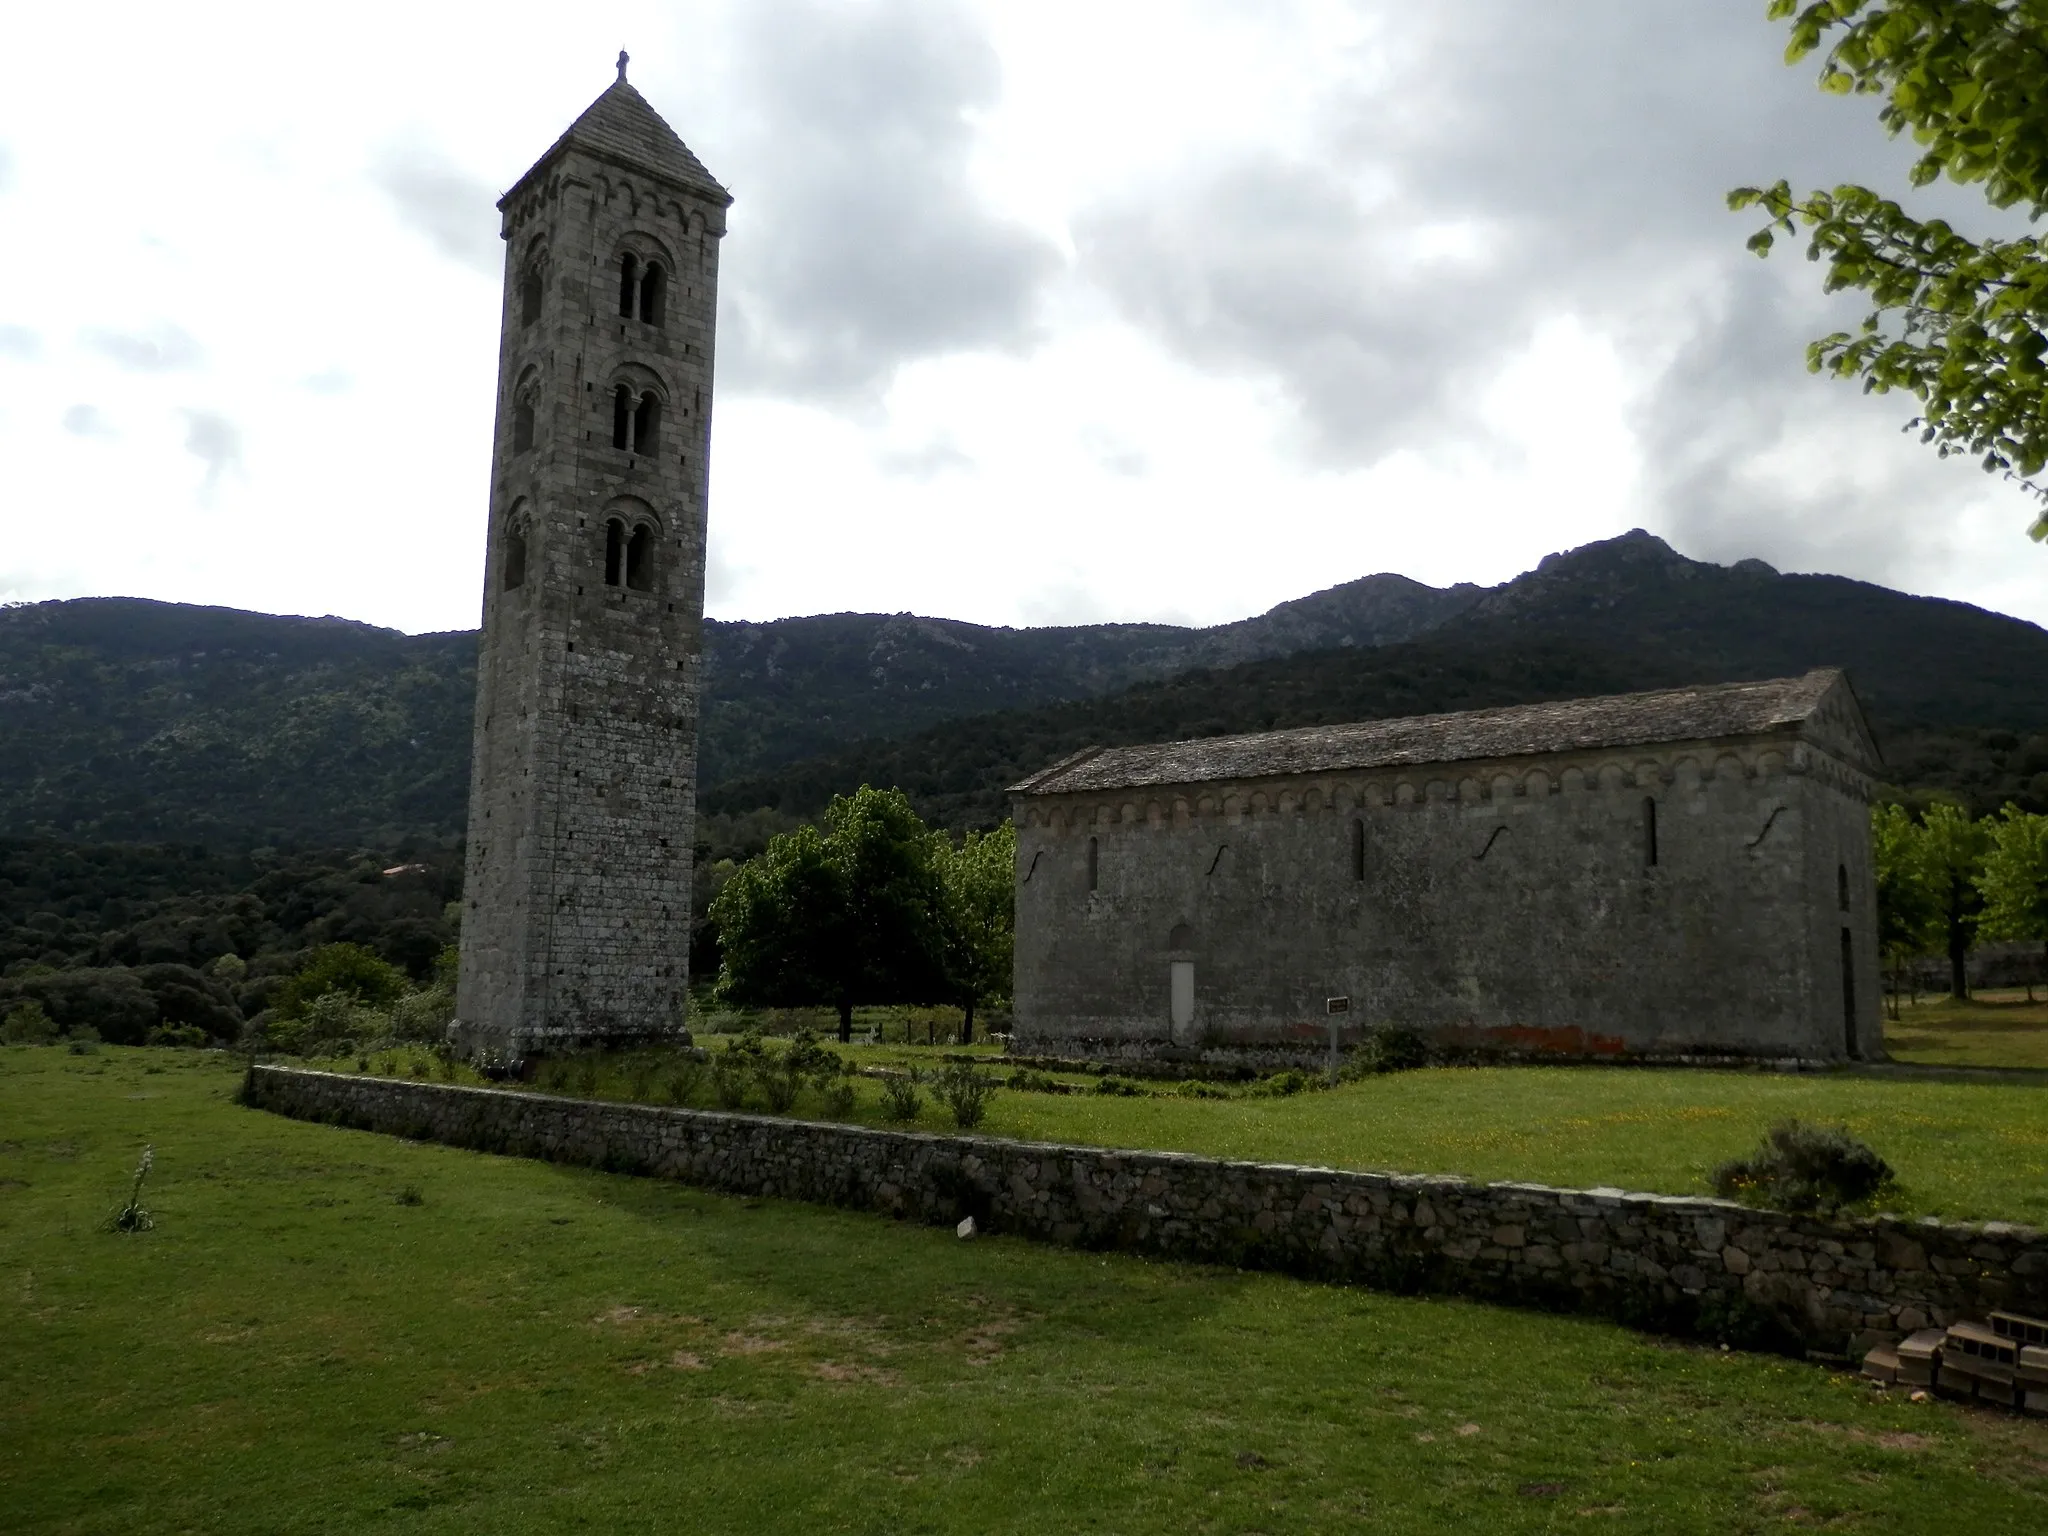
127, 719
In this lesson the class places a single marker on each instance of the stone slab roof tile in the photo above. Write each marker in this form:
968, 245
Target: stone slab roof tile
1620, 720
620, 125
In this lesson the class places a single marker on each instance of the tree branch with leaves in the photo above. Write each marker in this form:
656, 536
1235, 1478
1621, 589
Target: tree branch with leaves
1956, 322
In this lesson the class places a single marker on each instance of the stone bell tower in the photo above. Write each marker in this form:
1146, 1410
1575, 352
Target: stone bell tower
583, 782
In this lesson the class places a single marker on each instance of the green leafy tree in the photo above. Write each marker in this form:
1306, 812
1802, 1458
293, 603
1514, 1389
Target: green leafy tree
1953, 847
981, 879
347, 969
853, 913
2014, 880
1906, 907
1956, 322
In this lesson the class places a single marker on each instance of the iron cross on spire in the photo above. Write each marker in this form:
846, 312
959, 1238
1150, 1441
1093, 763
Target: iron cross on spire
623, 56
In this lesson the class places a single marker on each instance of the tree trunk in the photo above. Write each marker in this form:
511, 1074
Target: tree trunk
846, 1023
1958, 969
967, 1023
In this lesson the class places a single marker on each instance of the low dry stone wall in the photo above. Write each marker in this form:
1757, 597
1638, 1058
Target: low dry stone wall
1704, 1267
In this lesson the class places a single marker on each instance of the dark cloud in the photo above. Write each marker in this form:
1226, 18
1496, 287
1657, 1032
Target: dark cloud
161, 348
217, 443
19, 341
859, 243
1521, 163
453, 209
87, 421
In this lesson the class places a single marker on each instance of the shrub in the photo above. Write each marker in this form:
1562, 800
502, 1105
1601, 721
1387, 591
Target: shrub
731, 1076
900, 1099
778, 1081
111, 999
641, 1072
82, 1041
683, 1081
966, 1091
1119, 1088
185, 1035
1392, 1048
348, 969
1025, 1080
131, 1217
27, 1024
1800, 1167
423, 1016
839, 1101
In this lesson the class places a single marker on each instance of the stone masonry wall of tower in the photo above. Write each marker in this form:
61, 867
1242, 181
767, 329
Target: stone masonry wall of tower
583, 782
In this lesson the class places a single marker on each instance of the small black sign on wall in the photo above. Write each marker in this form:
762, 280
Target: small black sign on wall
1336, 1005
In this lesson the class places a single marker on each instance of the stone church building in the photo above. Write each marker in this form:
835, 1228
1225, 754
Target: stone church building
1674, 874
582, 802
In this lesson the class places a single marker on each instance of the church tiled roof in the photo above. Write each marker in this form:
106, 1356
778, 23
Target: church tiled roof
1620, 720
620, 125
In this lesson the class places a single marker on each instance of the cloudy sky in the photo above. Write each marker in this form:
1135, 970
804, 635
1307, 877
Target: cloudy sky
1031, 314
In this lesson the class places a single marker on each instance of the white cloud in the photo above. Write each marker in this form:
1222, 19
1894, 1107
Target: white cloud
1230, 304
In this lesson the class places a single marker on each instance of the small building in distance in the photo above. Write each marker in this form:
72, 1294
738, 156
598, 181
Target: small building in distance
1678, 874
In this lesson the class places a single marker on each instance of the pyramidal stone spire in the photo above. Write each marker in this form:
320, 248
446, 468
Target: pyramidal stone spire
622, 128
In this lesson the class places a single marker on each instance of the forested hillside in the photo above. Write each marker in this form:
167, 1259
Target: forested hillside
123, 720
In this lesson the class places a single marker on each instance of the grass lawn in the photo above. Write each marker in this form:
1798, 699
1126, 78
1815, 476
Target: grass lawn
535, 1348
1992, 1029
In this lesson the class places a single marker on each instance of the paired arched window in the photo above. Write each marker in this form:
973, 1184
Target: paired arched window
522, 423
531, 290
628, 555
643, 289
636, 422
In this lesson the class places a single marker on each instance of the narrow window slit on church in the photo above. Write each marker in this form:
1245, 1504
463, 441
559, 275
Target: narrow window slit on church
653, 289
646, 418
1357, 849
1094, 862
622, 417
1649, 832
1842, 886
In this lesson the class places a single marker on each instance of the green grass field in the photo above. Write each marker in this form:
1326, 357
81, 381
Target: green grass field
536, 1348
1968, 1151
1992, 1029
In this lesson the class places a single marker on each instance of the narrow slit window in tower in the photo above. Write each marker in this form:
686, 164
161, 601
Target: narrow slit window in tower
522, 424
653, 290
645, 419
530, 293
614, 551
1842, 886
1649, 832
1357, 849
622, 417
1848, 993
1094, 862
640, 559
629, 273
515, 557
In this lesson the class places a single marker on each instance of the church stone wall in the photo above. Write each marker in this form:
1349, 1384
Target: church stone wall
1510, 906
583, 785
